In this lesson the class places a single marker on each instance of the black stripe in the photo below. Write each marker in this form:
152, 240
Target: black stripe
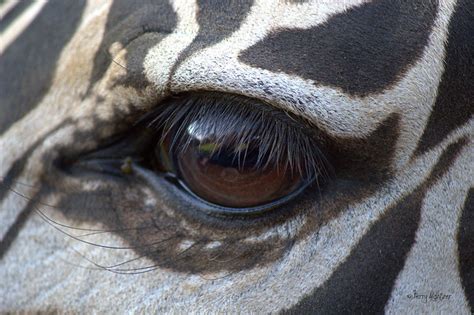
363, 283
19, 165
5, 185
454, 104
27, 66
9, 181
217, 20
363, 50
126, 21
368, 158
14, 229
465, 240
11, 15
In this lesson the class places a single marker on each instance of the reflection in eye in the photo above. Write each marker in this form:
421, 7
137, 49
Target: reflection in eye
229, 174
235, 152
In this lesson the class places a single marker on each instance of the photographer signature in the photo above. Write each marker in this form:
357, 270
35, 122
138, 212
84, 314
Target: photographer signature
432, 296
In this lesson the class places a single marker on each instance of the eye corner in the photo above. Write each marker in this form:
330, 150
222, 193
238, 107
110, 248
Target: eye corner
241, 159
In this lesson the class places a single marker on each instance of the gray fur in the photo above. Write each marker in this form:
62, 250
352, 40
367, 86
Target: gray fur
70, 235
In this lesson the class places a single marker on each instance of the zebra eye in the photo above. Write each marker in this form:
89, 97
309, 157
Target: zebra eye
235, 155
224, 172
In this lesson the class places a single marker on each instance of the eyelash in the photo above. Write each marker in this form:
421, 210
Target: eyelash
283, 139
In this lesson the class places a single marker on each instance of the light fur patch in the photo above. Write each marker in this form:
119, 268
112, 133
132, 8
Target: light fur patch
20, 24
43, 266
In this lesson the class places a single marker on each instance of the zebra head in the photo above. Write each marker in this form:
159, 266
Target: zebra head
354, 118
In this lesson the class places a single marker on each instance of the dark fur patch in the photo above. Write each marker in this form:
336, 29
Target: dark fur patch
363, 283
27, 66
361, 51
15, 228
368, 158
465, 240
127, 21
454, 104
217, 19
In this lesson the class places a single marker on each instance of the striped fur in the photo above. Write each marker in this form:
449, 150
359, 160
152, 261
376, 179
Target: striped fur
389, 83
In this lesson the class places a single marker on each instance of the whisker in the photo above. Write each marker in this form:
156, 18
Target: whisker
126, 262
2, 179
139, 270
93, 231
115, 230
47, 220
46, 205
112, 59
225, 260
163, 262
77, 265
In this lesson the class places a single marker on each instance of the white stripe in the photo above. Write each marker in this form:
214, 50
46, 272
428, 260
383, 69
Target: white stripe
20, 24
161, 58
432, 268
6, 7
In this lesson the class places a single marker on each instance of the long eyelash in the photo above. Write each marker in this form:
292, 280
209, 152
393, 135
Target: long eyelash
58, 226
283, 141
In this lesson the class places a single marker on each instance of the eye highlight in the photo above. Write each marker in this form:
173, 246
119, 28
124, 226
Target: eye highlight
235, 154
228, 174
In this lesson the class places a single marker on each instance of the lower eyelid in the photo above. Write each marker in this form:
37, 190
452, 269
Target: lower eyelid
158, 182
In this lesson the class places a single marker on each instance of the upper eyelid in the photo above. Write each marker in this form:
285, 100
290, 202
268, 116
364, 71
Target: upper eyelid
281, 138
298, 108
265, 108
278, 113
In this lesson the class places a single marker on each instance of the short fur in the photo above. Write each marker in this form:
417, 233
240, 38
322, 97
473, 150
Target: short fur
311, 256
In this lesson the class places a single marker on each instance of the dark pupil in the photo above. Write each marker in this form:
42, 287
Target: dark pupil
229, 173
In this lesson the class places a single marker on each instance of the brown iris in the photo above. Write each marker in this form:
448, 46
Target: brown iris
226, 172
